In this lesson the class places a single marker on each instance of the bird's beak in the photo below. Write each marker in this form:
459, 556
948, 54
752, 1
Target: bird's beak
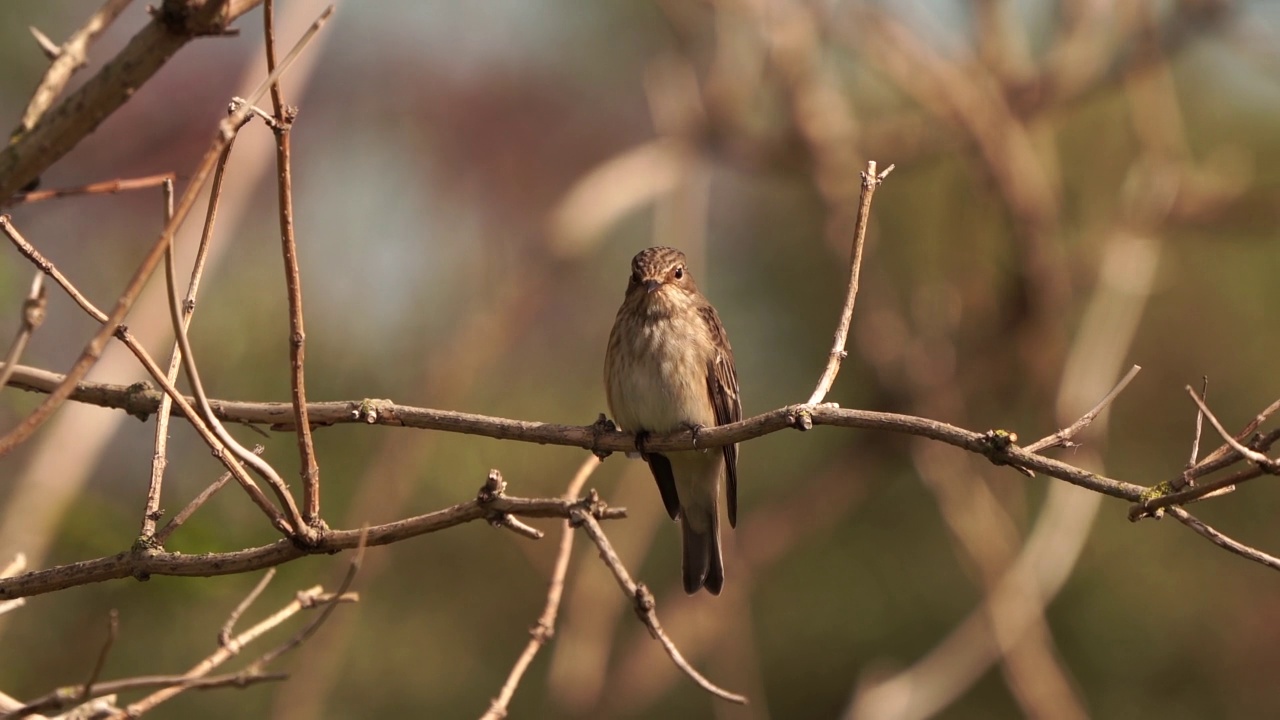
651, 285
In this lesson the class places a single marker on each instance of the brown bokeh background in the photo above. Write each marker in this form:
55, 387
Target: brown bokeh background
1079, 186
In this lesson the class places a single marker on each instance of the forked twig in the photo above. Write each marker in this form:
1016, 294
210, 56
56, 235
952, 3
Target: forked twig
33, 313
1262, 461
644, 605
546, 626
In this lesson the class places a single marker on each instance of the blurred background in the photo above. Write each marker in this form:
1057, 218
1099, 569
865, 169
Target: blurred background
1080, 185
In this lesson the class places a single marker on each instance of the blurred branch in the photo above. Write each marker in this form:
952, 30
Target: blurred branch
177, 22
107, 187
67, 59
546, 626
93, 349
33, 312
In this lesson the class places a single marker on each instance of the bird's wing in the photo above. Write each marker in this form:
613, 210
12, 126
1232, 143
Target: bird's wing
722, 385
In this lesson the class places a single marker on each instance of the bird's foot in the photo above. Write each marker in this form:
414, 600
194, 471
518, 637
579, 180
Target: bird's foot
642, 438
695, 430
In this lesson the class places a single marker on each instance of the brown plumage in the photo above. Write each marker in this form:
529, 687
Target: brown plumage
668, 367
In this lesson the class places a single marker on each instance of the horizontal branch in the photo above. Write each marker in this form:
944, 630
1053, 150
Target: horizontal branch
142, 563
141, 400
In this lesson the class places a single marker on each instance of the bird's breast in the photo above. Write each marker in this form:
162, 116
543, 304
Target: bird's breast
662, 384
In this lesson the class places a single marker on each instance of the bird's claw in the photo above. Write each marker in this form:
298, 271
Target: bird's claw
642, 437
695, 430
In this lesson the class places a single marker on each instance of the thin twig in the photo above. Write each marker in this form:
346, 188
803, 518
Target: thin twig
229, 460
305, 599
540, 633
93, 349
113, 628
108, 187
870, 181
64, 126
1195, 443
644, 605
1262, 461
260, 466
1062, 438
284, 117
224, 635
49, 47
330, 604
60, 699
162, 536
70, 57
33, 314
159, 457
1224, 542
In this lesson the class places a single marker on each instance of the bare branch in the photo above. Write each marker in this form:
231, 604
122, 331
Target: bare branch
163, 535
282, 125
1062, 438
1224, 542
546, 626
644, 605
66, 60
113, 629
108, 187
159, 562
591, 437
870, 181
224, 635
255, 493
64, 126
33, 313
1262, 461
93, 349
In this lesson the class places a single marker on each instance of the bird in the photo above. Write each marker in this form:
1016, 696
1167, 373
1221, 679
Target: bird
669, 366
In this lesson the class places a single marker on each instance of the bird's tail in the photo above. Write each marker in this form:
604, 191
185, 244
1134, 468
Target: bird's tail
702, 564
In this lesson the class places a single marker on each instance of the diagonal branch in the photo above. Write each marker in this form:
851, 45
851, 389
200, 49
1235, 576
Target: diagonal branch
644, 604
64, 126
870, 181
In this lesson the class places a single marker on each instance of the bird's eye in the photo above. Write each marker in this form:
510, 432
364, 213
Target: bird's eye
679, 272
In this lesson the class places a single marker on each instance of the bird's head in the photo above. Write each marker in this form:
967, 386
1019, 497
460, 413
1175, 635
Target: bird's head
660, 277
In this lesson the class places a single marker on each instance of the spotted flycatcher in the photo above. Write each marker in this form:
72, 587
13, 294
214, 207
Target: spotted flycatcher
669, 367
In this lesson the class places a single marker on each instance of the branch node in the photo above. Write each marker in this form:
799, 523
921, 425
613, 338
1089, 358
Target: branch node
600, 427
493, 488
995, 445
